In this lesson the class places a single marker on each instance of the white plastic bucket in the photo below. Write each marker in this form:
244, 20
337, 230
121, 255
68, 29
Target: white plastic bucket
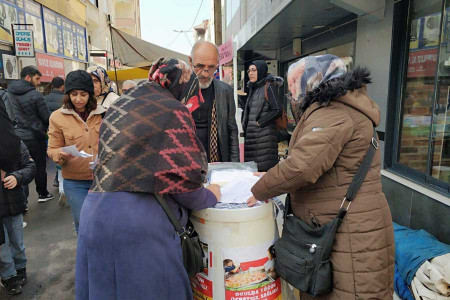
242, 236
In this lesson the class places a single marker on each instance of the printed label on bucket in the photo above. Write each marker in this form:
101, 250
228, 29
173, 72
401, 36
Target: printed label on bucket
249, 273
202, 286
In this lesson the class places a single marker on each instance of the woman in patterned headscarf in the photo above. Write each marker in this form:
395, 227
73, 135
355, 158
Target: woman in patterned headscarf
335, 125
102, 86
127, 247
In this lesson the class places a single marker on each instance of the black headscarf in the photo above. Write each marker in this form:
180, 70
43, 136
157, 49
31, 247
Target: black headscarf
262, 68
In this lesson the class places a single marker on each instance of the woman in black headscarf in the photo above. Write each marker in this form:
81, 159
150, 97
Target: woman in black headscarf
127, 247
258, 123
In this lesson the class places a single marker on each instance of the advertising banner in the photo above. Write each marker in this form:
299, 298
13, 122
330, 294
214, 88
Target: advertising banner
422, 63
10, 12
64, 37
50, 66
226, 52
33, 16
10, 66
250, 273
23, 42
2, 66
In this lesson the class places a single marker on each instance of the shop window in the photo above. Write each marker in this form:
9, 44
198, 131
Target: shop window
94, 2
424, 129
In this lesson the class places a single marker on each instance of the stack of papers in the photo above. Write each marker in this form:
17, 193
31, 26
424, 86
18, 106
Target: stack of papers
236, 185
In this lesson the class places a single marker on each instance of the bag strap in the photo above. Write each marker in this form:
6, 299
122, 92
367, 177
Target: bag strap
266, 87
360, 174
176, 224
356, 182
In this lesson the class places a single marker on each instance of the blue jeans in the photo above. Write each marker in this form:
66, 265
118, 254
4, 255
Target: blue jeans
12, 252
76, 191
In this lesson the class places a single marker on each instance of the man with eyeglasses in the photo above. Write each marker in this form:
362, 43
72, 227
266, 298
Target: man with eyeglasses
214, 116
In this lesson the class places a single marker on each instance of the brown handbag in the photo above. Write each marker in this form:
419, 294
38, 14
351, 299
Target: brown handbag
282, 121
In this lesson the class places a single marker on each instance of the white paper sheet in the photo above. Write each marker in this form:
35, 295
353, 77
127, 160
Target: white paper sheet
225, 176
72, 150
239, 189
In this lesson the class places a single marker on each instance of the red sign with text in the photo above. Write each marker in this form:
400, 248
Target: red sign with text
50, 66
271, 291
422, 63
201, 287
226, 52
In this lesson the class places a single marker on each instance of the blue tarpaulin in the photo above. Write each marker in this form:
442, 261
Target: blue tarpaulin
413, 248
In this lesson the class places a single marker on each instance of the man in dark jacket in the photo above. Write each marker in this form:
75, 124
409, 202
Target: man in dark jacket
214, 118
54, 99
32, 117
12, 254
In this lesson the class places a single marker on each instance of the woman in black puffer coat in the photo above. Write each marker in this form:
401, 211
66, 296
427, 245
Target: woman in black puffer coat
258, 122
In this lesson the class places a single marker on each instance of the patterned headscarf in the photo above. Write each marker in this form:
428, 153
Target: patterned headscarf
308, 73
101, 74
178, 77
147, 138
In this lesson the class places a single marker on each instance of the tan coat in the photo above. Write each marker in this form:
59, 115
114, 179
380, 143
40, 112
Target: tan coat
326, 149
67, 128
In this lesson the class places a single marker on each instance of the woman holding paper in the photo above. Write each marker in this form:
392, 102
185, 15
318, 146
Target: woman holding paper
73, 138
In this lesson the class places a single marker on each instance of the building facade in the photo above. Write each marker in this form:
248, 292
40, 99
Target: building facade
404, 44
60, 37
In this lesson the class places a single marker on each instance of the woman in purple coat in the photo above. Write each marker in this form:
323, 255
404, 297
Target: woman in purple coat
127, 247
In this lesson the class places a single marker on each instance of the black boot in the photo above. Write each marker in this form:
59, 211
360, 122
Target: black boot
22, 276
12, 286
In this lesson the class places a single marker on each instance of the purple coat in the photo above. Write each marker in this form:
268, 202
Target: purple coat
129, 250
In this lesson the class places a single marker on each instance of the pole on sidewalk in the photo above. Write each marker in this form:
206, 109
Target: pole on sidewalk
114, 55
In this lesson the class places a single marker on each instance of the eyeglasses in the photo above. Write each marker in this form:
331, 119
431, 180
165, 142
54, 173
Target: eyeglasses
204, 68
251, 70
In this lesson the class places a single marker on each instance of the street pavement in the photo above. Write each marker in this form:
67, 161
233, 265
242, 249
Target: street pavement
50, 242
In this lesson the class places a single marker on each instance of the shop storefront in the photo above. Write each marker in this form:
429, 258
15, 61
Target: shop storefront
59, 42
405, 45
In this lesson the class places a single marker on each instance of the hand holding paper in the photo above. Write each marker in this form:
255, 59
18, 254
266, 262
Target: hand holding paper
72, 150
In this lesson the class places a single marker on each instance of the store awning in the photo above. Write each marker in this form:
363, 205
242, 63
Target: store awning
134, 52
129, 74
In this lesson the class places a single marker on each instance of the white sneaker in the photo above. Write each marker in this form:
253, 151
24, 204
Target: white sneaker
25, 224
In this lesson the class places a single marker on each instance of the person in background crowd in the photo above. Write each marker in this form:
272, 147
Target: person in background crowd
9, 155
13, 260
54, 102
76, 123
126, 238
128, 85
258, 122
32, 115
335, 124
102, 87
54, 99
214, 115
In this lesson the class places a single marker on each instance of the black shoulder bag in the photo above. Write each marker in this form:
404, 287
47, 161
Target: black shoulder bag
302, 254
190, 242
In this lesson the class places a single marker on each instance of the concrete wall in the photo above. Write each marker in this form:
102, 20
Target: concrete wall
416, 210
373, 50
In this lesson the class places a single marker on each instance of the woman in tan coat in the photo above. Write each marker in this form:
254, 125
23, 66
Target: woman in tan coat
77, 124
335, 121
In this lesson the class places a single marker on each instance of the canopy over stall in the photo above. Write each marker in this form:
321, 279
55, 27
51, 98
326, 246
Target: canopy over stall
134, 52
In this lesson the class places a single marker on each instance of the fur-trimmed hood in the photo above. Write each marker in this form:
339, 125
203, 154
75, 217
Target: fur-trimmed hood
349, 89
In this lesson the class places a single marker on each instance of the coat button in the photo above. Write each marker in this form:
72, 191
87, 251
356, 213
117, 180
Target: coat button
90, 147
87, 130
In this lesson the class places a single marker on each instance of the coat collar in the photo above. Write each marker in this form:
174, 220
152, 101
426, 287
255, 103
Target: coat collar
98, 111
